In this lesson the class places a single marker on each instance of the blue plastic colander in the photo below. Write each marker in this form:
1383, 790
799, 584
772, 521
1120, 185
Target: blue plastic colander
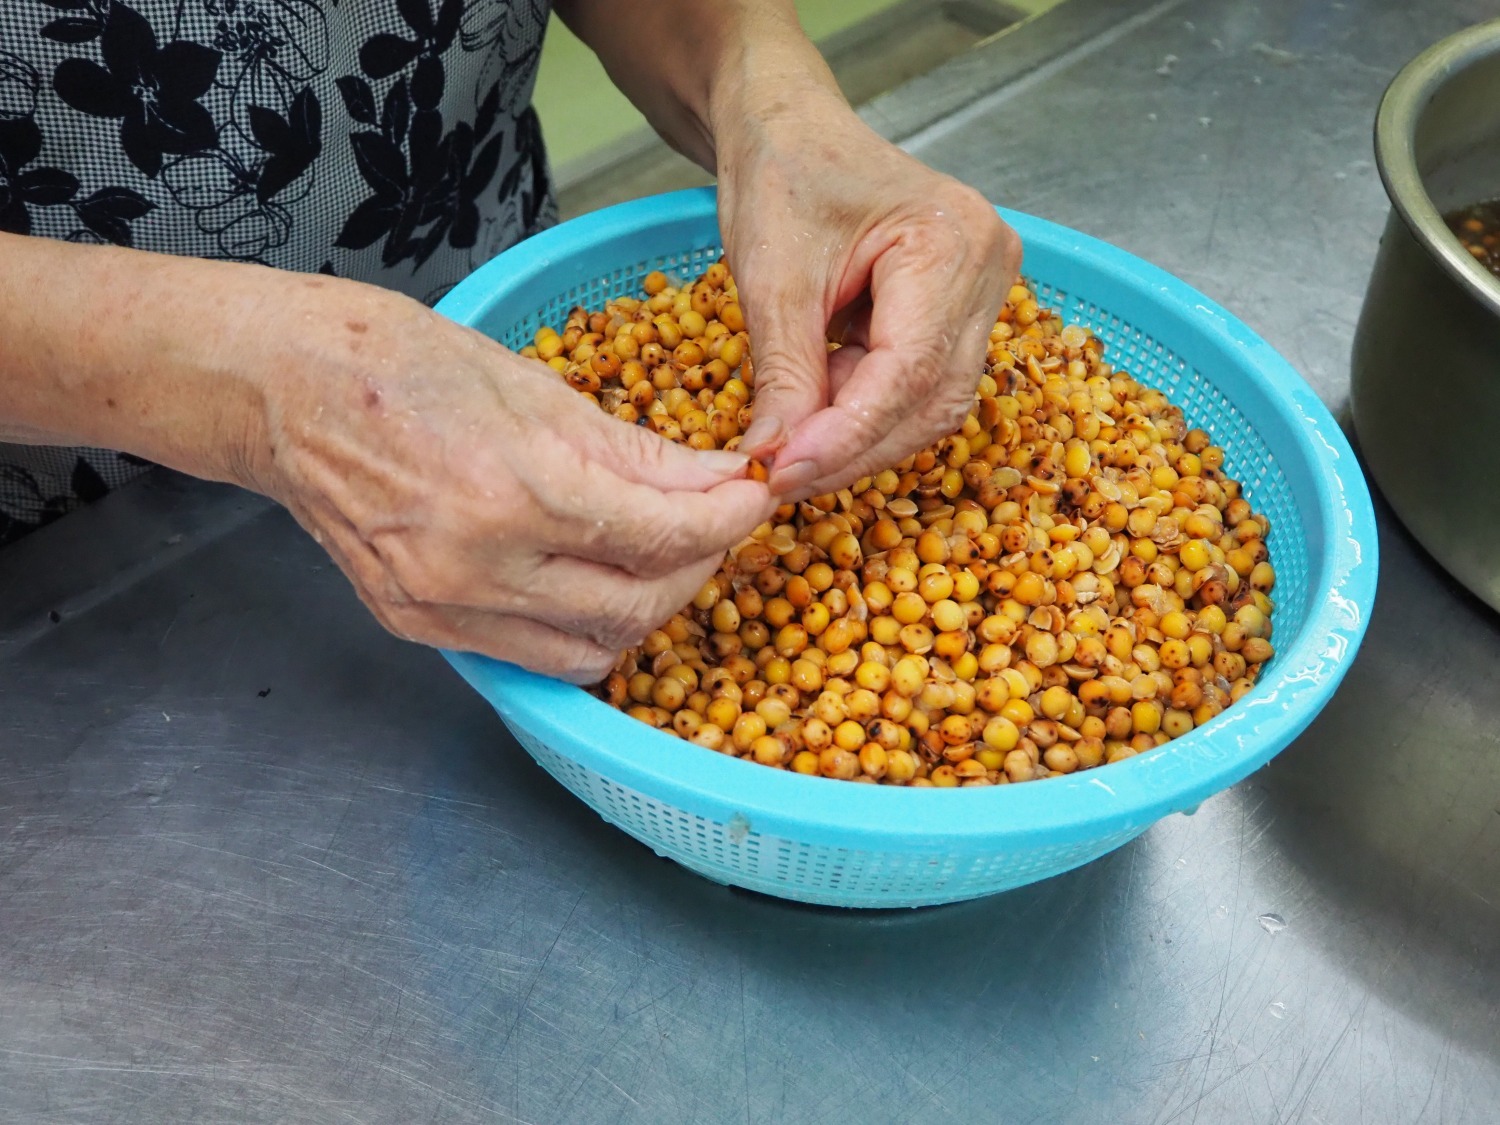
836, 843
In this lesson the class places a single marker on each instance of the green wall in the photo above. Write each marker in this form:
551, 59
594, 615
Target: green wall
582, 112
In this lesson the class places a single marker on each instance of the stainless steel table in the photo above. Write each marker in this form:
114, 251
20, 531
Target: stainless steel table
260, 862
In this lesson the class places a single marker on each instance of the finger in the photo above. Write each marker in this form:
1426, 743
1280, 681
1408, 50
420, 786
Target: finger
643, 457
539, 573
788, 322
632, 452
519, 640
922, 366
652, 534
839, 439
607, 605
889, 451
867, 437
935, 285
599, 607
533, 645
851, 324
793, 474
362, 565
643, 530
592, 503
842, 364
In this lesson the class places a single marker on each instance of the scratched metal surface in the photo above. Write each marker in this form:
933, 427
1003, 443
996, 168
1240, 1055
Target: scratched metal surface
351, 897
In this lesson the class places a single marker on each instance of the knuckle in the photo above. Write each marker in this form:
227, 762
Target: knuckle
951, 415
1010, 245
591, 669
620, 633
791, 348
549, 664
648, 450
982, 226
781, 368
928, 244
613, 622
956, 396
565, 522
929, 363
975, 208
576, 661
420, 581
408, 622
648, 611
969, 206
1006, 252
660, 550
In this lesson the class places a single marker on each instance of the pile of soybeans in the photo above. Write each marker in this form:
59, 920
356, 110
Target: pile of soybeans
1068, 580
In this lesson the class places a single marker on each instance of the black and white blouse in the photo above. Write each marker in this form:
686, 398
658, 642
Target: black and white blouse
391, 141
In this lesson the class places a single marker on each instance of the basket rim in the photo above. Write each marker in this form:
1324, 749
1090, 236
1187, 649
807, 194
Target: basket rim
1139, 790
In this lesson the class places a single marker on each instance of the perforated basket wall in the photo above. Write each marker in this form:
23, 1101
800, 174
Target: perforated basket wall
734, 853
831, 842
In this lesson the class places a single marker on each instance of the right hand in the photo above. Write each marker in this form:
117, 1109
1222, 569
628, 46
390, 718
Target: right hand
474, 500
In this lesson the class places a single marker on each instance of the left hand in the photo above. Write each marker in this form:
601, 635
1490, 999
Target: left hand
824, 219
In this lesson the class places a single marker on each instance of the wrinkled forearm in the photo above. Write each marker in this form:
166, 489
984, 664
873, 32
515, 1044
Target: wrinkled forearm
700, 71
132, 351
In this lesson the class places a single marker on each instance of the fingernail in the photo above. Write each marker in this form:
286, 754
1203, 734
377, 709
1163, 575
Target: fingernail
725, 462
795, 479
765, 435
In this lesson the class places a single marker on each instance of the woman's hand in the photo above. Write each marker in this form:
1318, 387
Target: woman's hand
824, 222
473, 499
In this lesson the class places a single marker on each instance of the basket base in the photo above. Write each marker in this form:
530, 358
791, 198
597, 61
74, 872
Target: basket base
792, 892
735, 855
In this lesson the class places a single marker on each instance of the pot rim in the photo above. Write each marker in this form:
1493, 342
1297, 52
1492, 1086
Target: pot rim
1400, 110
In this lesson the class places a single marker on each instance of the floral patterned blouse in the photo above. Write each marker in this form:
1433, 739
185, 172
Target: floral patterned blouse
391, 141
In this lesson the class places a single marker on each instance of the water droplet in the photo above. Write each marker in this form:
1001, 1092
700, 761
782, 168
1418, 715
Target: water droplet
1272, 923
738, 828
1221, 911
1278, 1010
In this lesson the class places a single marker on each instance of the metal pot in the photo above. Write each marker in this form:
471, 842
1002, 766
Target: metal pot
1426, 366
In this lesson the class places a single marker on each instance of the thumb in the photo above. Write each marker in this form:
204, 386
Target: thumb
636, 454
789, 329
